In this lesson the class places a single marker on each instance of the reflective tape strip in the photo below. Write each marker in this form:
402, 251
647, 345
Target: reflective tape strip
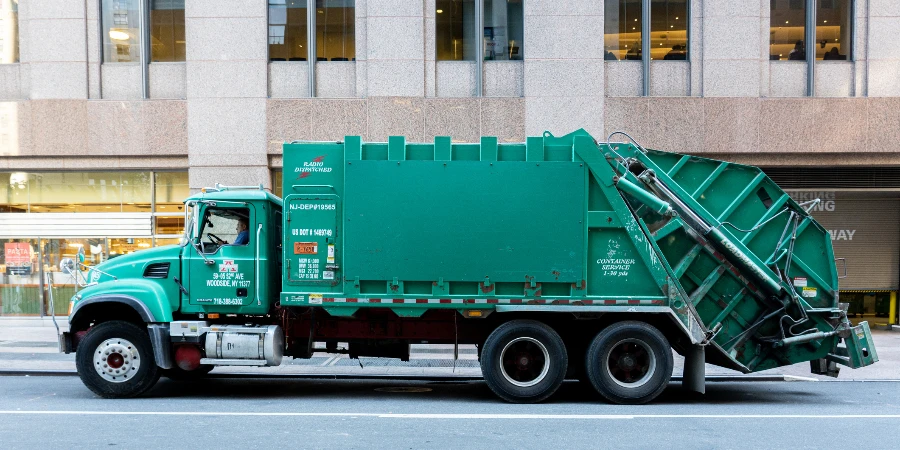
492, 301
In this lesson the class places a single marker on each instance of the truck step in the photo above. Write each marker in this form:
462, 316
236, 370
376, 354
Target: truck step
233, 362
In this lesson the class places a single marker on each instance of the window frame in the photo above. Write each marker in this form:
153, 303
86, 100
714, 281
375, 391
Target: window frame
646, 43
311, 47
812, 7
143, 43
478, 37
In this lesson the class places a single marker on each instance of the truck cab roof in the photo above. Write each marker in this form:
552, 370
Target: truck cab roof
244, 195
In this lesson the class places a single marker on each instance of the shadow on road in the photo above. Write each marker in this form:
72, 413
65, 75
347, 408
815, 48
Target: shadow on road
463, 392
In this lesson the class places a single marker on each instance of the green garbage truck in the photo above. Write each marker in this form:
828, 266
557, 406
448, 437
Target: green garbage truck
557, 257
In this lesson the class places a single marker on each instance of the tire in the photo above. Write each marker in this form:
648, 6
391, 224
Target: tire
129, 374
629, 363
179, 374
524, 361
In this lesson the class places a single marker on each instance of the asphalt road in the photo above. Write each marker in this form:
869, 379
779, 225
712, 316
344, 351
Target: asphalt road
59, 412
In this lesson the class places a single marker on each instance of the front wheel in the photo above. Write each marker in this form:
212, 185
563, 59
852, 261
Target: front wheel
629, 362
524, 361
115, 360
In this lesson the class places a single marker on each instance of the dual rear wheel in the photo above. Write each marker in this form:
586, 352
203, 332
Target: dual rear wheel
525, 361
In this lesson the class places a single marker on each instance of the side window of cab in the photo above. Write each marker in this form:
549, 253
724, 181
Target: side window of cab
225, 226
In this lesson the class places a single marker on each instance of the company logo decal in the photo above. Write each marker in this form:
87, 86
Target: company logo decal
316, 165
228, 265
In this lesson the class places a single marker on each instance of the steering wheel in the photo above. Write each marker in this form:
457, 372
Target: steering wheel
215, 239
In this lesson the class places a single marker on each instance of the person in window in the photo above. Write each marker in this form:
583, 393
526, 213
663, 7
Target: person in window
243, 237
798, 53
678, 52
833, 54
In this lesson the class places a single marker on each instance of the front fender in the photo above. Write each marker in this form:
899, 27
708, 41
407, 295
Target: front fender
147, 298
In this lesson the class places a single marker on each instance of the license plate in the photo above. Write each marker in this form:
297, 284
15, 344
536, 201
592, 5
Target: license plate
306, 248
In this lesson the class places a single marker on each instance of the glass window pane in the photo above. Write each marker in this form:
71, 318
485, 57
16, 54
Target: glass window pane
53, 251
171, 190
9, 31
622, 30
14, 192
833, 30
119, 247
335, 30
277, 177
69, 192
20, 291
455, 27
668, 29
503, 30
287, 30
135, 191
120, 20
787, 30
167, 30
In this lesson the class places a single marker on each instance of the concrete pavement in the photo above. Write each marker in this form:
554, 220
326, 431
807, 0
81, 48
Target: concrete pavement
59, 412
30, 344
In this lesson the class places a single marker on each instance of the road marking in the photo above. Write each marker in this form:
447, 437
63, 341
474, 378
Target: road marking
460, 416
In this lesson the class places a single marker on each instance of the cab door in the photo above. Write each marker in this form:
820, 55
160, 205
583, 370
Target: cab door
222, 266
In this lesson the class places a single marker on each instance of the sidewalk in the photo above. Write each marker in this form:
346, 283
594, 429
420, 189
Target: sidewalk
30, 344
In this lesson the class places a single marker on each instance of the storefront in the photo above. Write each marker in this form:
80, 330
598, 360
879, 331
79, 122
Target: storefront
48, 216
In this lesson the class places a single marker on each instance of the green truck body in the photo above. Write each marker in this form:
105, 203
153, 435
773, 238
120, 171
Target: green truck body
558, 256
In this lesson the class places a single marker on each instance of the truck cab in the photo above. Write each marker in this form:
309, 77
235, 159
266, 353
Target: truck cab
227, 265
230, 262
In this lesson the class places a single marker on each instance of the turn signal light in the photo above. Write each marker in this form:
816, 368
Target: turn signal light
213, 315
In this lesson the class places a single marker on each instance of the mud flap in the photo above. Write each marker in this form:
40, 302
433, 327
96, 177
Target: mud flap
695, 369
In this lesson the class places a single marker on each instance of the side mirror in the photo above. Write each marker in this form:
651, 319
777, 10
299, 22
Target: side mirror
81, 254
67, 266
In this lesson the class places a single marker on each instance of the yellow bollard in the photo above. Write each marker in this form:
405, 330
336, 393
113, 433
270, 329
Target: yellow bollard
892, 315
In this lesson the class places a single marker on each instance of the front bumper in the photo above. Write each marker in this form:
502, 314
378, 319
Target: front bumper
65, 343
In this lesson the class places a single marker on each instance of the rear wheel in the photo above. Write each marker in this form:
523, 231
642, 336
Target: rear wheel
115, 360
524, 361
629, 362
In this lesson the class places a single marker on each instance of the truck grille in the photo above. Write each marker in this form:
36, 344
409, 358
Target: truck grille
157, 270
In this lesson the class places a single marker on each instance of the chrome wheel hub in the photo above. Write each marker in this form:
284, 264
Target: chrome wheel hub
117, 360
524, 362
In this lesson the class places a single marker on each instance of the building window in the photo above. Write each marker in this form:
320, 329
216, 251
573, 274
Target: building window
167, 31
169, 190
668, 30
787, 33
503, 30
479, 31
456, 31
277, 179
120, 24
9, 31
622, 30
833, 30
335, 30
287, 30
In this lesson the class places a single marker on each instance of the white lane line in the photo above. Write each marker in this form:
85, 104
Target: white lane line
461, 416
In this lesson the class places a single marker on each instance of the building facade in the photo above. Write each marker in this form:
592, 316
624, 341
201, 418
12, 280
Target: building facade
111, 111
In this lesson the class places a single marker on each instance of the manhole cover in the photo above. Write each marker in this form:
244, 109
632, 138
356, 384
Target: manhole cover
403, 389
